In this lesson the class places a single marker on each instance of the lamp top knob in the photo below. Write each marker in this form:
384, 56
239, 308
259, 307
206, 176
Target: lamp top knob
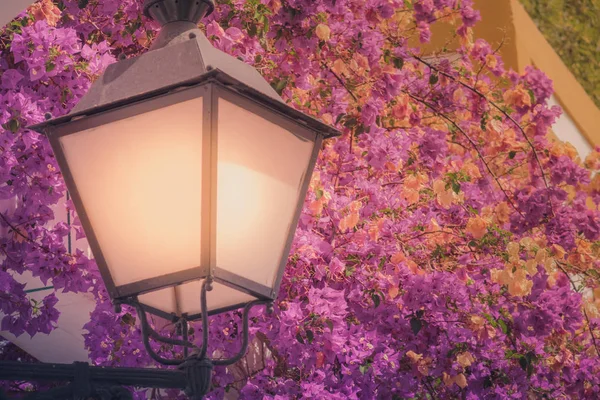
165, 11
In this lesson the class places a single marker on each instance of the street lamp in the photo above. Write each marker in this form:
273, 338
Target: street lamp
188, 173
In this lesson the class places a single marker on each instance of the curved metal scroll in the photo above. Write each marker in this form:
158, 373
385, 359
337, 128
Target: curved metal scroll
198, 352
197, 366
244, 348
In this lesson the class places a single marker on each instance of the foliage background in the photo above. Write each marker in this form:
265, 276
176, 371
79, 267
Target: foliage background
573, 28
448, 248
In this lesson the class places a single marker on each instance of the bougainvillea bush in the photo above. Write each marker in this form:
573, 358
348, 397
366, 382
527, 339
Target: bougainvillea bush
448, 247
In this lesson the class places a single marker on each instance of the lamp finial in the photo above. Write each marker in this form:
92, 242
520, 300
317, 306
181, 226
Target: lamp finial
166, 11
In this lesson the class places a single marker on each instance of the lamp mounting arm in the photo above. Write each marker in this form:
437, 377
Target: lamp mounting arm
106, 383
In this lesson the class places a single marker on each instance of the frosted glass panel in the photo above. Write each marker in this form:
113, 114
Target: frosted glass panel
163, 299
260, 170
186, 298
140, 179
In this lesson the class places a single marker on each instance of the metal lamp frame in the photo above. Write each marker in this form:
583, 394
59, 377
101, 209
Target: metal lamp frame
211, 86
109, 383
181, 65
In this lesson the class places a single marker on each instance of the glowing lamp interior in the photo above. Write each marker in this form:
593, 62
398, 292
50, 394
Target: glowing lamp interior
139, 181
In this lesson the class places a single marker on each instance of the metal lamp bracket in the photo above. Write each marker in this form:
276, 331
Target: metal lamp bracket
107, 383
197, 366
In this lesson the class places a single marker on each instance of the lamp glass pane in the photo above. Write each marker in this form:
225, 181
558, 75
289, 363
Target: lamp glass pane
261, 167
186, 298
139, 179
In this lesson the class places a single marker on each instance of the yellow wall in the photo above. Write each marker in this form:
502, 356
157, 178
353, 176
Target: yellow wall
496, 26
532, 48
505, 23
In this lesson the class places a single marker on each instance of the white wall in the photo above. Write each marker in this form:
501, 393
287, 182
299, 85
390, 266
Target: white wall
9, 9
65, 344
566, 130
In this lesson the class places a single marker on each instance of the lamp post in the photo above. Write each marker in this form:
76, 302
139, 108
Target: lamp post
188, 172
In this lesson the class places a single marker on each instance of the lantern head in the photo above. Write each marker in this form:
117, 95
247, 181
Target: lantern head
184, 164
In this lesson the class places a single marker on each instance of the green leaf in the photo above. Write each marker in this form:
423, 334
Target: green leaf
503, 326
487, 382
398, 62
415, 325
484, 120
310, 336
13, 125
279, 85
456, 187
329, 324
523, 362
252, 30
350, 122
376, 299
490, 319
128, 319
299, 338
512, 154
266, 26
319, 193
82, 3
531, 96
433, 79
50, 66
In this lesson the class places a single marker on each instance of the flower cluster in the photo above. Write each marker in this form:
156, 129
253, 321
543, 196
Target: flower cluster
448, 246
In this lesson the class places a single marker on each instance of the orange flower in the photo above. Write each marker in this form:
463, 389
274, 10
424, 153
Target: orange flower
414, 357
502, 213
477, 227
393, 292
410, 195
446, 197
517, 282
518, 97
491, 61
339, 67
375, 228
465, 359
351, 219
412, 182
45, 10
323, 32
459, 379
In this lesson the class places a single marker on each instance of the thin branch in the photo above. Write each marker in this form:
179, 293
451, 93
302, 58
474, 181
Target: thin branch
474, 145
561, 267
340, 80
485, 63
432, 233
497, 107
27, 238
